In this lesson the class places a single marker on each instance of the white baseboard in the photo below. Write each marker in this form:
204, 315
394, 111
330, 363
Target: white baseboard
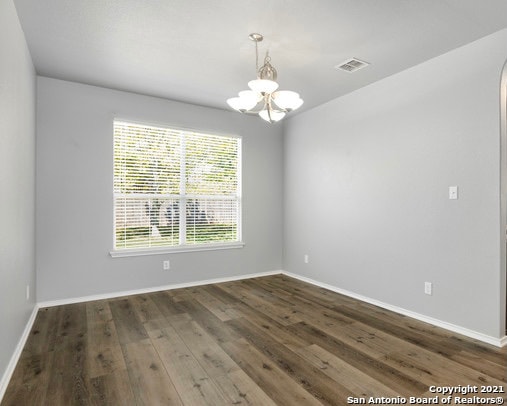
498, 342
112, 295
4, 381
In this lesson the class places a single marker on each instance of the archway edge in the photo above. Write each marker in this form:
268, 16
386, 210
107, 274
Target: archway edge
503, 202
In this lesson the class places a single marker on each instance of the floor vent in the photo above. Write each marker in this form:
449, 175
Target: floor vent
352, 65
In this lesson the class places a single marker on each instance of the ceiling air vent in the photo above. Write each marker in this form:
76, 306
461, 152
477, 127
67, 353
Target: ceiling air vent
352, 65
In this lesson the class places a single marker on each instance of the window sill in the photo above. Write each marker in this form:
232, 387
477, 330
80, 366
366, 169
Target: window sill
174, 250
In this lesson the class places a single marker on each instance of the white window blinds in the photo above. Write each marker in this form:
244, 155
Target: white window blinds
174, 187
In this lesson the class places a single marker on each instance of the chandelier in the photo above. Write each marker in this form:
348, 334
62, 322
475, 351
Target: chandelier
263, 98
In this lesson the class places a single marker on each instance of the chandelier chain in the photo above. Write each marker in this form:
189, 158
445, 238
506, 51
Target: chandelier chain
256, 60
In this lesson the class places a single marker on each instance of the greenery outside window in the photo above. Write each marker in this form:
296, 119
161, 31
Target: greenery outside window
175, 189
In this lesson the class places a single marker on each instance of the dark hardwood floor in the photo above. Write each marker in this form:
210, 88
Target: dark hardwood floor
263, 341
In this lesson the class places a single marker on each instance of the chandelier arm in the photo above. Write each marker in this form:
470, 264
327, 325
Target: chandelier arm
261, 105
268, 105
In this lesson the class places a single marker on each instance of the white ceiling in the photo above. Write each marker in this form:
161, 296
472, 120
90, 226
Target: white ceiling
198, 51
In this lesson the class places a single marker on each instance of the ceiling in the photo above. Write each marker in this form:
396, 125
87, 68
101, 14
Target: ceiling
198, 51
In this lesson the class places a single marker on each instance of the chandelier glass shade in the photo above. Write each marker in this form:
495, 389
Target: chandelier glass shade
263, 98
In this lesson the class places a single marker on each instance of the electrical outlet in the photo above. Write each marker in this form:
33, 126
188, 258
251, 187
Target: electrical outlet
306, 258
27, 292
428, 288
166, 265
453, 192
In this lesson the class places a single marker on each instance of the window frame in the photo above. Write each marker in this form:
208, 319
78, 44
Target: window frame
182, 197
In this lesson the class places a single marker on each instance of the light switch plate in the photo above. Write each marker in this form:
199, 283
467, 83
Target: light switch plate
453, 192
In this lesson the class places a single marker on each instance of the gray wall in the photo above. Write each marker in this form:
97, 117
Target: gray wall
75, 200
366, 189
17, 182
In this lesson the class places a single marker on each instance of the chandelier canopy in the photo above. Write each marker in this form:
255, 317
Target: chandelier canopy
263, 98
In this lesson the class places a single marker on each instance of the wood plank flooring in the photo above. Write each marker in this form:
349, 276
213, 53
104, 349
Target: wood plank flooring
263, 341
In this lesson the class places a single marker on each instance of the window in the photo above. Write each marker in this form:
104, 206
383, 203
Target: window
175, 188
